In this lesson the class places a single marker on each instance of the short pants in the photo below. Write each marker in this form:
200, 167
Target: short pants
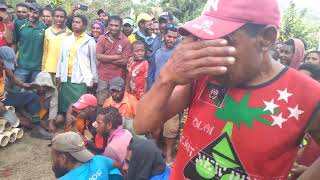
171, 127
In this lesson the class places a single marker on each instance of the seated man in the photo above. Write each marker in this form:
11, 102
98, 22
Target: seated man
109, 124
82, 114
23, 100
144, 161
48, 95
123, 101
71, 160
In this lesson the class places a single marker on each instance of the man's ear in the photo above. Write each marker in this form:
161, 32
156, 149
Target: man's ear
267, 37
109, 125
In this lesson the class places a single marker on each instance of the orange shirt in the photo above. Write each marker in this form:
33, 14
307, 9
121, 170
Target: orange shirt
127, 107
3, 85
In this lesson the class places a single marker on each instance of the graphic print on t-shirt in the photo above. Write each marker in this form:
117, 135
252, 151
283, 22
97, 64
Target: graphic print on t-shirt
219, 159
214, 94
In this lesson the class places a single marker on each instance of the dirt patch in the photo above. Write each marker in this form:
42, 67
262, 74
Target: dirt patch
26, 159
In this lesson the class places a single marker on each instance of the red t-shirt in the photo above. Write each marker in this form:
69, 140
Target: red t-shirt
120, 46
3, 41
138, 71
248, 132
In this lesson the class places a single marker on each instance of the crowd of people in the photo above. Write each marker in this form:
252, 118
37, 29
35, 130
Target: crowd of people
118, 88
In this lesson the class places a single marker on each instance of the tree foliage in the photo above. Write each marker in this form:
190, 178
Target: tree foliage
294, 24
184, 10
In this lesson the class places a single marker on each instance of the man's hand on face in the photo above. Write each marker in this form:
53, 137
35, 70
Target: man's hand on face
193, 59
5, 17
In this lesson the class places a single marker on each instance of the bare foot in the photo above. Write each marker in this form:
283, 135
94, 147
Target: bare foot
24, 121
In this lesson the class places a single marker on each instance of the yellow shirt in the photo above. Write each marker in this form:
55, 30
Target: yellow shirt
73, 51
132, 38
51, 48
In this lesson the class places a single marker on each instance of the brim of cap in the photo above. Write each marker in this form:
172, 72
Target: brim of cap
164, 17
83, 156
208, 27
131, 24
115, 88
80, 105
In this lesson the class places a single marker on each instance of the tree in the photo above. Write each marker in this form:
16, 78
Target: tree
184, 10
295, 25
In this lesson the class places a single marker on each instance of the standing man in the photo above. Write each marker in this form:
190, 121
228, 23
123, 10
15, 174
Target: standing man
113, 52
292, 53
53, 38
144, 33
28, 40
164, 19
47, 16
103, 16
76, 68
171, 127
128, 26
247, 116
22, 11
6, 26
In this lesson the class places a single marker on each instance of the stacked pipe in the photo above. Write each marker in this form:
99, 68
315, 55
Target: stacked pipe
9, 132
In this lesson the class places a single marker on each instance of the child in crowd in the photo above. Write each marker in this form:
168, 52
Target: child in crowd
138, 70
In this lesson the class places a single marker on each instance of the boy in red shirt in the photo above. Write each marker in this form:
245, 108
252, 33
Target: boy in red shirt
138, 70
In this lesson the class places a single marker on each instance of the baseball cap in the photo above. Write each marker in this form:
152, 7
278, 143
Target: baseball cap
72, 143
128, 21
166, 15
117, 83
144, 16
85, 101
3, 5
222, 17
8, 55
35, 6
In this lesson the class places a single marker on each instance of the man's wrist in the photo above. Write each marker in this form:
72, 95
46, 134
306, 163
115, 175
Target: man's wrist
165, 80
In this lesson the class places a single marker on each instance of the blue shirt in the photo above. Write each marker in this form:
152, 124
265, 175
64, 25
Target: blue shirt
164, 176
98, 168
161, 58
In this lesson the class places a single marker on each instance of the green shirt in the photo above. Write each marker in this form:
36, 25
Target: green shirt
29, 42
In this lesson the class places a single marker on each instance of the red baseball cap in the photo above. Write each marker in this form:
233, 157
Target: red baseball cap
85, 101
222, 17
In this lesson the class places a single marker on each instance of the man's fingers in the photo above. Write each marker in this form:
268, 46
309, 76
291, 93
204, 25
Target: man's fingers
212, 71
211, 62
196, 45
211, 52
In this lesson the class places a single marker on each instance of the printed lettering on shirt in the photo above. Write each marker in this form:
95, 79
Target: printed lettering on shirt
96, 175
202, 126
186, 145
